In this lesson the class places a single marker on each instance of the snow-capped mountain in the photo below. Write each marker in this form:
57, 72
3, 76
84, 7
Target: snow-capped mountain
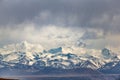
22, 47
34, 56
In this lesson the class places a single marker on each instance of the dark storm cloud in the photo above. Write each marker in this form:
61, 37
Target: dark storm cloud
101, 14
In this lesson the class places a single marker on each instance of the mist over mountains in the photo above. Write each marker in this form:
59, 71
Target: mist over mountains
33, 57
60, 36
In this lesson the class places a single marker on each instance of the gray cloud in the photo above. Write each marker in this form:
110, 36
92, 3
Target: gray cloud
101, 14
91, 35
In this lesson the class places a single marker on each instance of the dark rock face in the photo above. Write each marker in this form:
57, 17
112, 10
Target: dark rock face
106, 53
7, 79
50, 73
55, 50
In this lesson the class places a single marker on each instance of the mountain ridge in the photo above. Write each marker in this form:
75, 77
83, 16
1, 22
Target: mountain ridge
27, 55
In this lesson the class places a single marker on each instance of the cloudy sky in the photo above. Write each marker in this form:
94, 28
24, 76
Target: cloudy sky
61, 22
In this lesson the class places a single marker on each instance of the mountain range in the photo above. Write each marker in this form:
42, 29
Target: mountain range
34, 57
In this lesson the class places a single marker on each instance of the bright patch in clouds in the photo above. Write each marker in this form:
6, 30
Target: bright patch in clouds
49, 36
52, 36
54, 23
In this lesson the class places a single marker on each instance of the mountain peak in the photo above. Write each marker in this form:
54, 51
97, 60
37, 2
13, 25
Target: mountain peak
25, 44
30, 47
108, 53
55, 50
105, 51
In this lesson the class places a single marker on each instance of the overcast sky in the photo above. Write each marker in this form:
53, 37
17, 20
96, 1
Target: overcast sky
34, 20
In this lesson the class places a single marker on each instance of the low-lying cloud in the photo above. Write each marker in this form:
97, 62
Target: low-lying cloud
60, 22
49, 36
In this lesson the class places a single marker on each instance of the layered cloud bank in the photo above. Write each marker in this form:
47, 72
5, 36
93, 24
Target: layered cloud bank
103, 14
52, 36
54, 23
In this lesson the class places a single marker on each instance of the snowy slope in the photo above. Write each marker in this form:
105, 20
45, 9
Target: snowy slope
27, 55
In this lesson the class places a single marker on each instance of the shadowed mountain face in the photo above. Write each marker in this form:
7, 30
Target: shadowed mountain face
7, 79
56, 74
